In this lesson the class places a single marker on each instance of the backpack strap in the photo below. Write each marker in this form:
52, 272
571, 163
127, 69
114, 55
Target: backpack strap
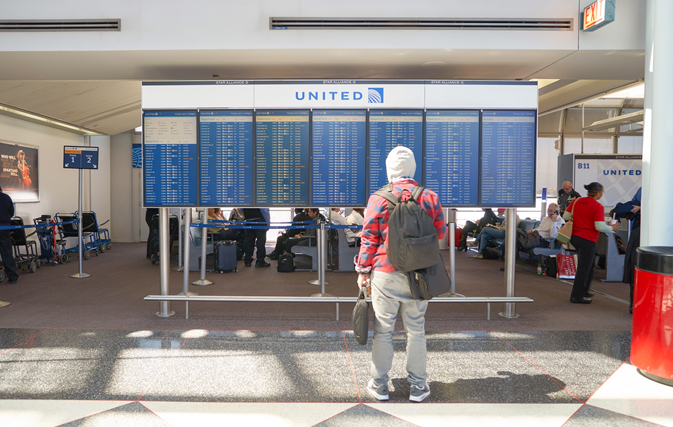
387, 193
417, 192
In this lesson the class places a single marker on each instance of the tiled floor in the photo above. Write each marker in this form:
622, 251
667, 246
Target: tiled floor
189, 378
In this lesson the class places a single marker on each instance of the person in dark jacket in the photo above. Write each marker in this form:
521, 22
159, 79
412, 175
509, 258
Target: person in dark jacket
300, 215
471, 227
566, 195
255, 237
6, 214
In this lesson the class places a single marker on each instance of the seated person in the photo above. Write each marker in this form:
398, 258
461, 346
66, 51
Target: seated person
214, 214
488, 218
357, 217
299, 216
491, 232
308, 237
335, 217
549, 225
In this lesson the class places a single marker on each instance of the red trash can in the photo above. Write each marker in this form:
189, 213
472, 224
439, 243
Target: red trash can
652, 332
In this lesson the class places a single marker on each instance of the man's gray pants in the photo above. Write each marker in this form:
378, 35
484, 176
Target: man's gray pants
390, 293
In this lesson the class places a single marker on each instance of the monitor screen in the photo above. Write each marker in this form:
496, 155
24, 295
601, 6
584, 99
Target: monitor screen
508, 158
387, 130
452, 156
282, 157
169, 149
225, 158
338, 158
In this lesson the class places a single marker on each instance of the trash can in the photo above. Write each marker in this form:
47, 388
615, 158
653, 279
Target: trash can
652, 332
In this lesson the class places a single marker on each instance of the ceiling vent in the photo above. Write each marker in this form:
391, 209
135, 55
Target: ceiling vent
420, 24
61, 25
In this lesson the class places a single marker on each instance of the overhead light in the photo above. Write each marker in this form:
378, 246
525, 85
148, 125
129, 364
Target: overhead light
13, 111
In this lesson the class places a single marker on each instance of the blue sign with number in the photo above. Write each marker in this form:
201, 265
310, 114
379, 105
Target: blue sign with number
80, 157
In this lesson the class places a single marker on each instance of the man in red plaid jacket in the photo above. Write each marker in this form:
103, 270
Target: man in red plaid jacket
390, 288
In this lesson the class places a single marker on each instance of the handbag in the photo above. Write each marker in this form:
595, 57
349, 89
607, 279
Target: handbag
566, 266
360, 319
566, 232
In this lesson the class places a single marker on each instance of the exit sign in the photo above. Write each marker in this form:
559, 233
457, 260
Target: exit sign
598, 14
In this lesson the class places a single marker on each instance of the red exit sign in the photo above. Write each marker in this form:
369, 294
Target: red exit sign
598, 14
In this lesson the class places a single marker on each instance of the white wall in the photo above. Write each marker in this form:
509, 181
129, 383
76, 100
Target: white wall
121, 188
58, 186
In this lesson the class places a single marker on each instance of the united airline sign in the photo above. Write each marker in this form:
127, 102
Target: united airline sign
598, 14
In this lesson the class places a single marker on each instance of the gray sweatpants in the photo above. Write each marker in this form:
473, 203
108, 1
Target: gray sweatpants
390, 293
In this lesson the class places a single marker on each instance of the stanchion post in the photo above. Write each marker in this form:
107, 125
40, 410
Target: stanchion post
185, 264
510, 258
321, 261
180, 238
80, 275
204, 243
164, 258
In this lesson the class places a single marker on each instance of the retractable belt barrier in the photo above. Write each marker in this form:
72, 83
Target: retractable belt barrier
322, 297
51, 224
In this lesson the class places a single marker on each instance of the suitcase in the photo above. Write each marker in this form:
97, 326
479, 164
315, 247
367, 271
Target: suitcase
224, 253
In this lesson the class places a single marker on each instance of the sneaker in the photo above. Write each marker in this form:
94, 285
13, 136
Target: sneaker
471, 244
248, 264
478, 256
379, 392
418, 393
262, 264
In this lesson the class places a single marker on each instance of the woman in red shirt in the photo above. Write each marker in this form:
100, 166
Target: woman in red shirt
588, 222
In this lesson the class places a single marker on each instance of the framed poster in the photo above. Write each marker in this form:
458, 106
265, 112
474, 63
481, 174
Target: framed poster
20, 172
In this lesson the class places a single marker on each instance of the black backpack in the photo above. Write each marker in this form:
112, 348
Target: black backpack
286, 263
412, 238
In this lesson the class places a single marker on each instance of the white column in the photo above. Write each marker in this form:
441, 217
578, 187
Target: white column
658, 138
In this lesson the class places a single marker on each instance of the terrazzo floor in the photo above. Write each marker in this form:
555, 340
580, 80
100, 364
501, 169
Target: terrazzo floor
70, 377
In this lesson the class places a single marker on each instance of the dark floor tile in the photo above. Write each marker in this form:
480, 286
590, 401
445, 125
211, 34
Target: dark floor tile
468, 367
363, 415
76, 364
133, 414
591, 416
11, 337
259, 367
583, 360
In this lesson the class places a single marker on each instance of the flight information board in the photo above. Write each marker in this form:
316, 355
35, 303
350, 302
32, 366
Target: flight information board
169, 163
387, 130
282, 158
508, 158
452, 156
338, 158
225, 157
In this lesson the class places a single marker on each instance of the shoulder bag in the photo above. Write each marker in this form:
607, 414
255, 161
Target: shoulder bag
360, 319
566, 232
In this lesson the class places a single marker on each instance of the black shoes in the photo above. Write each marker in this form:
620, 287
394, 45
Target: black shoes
11, 282
583, 300
248, 264
262, 264
273, 256
588, 294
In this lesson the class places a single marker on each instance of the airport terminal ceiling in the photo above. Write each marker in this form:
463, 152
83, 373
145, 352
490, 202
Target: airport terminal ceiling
93, 80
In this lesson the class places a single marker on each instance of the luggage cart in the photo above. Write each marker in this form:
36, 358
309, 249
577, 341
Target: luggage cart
25, 251
88, 242
51, 251
101, 235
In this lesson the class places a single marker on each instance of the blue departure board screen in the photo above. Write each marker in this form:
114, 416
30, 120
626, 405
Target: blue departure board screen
169, 163
282, 158
508, 158
387, 130
452, 156
338, 165
225, 148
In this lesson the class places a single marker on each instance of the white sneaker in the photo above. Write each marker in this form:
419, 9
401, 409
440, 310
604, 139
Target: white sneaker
418, 393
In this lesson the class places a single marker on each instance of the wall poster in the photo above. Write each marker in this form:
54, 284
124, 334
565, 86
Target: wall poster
20, 172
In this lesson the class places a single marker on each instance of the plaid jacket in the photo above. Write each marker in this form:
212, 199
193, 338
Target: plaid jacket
375, 228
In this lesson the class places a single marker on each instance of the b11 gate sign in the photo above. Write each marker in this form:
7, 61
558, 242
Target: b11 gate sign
80, 157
